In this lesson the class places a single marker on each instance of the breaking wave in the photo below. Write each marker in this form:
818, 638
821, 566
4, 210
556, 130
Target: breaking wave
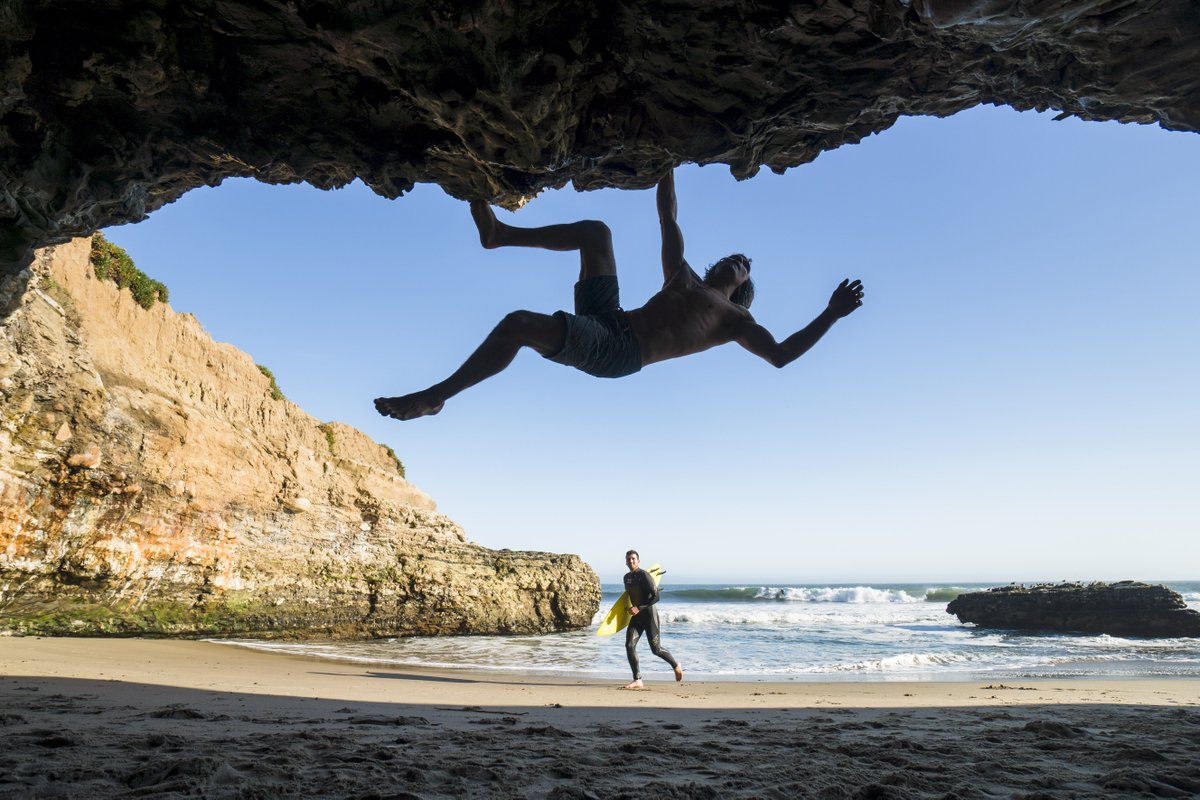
816, 594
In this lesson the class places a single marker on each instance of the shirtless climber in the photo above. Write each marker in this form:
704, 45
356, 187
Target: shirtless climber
688, 315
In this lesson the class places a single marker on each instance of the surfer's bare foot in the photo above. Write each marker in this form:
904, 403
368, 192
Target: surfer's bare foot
410, 406
633, 684
486, 222
678, 673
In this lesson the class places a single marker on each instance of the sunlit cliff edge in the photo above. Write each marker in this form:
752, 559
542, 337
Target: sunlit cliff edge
150, 483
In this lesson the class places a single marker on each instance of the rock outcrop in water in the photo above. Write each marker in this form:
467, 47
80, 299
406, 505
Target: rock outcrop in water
150, 483
108, 110
1128, 608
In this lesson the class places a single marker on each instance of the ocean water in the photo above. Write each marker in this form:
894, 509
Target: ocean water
794, 633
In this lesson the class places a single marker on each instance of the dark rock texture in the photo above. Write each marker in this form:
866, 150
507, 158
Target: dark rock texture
1128, 608
109, 109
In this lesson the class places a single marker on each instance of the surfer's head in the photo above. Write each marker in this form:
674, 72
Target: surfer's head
734, 269
632, 559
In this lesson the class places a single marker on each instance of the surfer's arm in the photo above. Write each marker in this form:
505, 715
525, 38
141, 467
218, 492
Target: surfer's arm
651, 591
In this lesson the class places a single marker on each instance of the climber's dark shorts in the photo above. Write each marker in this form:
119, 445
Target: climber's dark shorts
599, 340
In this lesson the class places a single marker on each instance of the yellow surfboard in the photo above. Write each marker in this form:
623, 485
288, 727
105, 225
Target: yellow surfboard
618, 616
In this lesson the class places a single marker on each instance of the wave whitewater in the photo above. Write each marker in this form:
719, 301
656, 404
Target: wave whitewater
765, 631
816, 594
902, 662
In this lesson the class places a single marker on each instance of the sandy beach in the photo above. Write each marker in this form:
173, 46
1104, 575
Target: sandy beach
164, 718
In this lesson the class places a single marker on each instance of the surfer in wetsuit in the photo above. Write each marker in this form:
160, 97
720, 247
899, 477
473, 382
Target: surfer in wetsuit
688, 315
643, 618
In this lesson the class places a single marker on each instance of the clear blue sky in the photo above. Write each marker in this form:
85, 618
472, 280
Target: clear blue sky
1017, 399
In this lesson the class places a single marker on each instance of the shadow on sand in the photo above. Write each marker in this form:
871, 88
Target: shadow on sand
97, 739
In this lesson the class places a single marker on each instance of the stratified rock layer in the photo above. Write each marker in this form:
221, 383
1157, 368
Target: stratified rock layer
1127, 608
149, 483
108, 110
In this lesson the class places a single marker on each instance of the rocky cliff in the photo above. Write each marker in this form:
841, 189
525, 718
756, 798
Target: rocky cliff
149, 482
108, 110
1128, 608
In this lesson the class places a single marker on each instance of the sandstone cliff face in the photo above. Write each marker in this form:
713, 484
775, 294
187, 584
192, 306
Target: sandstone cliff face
1128, 608
108, 110
150, 483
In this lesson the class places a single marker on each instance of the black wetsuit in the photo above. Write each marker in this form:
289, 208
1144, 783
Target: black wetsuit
643, 594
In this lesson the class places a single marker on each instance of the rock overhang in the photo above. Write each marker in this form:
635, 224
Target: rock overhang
109, 110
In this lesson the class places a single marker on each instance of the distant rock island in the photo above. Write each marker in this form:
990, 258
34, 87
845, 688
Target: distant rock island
1127, 608
153, 481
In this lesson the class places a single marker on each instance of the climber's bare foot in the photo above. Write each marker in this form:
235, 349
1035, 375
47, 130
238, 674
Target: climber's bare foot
633, 684
678, 673
410, 406
486, 222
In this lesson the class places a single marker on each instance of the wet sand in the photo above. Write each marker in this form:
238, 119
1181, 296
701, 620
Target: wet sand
159, 718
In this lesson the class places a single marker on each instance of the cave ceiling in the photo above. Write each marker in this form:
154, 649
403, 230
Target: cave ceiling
111, 108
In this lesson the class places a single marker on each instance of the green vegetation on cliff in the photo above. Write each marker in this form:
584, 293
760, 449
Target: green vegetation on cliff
276, 392
112, 263
331, 440
327, 429
396, 458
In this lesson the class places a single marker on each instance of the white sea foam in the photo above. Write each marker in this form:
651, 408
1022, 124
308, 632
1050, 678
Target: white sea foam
903, 662
790, 633
792, 615
836, 594
707, 617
